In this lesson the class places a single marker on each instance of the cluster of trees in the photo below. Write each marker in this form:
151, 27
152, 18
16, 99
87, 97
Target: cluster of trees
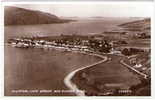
100, 46
131, 51
95, 45
144, 36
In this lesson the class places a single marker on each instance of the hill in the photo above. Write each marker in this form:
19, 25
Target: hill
139, 25
21, 16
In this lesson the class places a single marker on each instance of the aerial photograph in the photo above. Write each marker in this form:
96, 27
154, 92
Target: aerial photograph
77, 50
68, 0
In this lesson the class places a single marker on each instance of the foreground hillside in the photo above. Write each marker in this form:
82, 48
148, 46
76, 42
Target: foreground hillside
20, 16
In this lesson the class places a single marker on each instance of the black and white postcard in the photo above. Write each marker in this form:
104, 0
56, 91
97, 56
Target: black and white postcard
77, 49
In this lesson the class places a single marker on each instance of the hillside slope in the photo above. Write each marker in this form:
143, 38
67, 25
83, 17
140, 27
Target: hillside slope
139, 25
21, 16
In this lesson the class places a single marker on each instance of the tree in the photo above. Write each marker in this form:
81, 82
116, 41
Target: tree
126, 52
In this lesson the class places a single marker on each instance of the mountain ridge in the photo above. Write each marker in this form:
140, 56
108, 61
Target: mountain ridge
22, 16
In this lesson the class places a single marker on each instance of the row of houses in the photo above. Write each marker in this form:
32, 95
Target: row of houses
27, 43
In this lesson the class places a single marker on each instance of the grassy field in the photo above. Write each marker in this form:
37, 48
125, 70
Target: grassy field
94, 79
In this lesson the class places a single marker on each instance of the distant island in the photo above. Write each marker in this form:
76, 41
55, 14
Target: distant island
21, 16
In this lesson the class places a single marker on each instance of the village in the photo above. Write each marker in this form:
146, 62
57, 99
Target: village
88, 44
64, 42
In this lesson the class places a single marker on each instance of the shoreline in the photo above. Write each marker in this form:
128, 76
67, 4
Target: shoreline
75, 61
68, 79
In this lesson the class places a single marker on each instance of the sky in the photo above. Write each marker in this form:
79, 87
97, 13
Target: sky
90, 9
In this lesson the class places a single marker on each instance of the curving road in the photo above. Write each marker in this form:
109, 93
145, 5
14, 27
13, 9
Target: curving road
50, 74
73, 86
110, 70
